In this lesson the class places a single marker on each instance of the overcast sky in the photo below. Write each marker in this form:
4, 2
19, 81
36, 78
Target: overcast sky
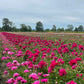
58, 12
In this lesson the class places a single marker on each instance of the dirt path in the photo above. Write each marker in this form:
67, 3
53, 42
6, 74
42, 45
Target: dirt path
3, 77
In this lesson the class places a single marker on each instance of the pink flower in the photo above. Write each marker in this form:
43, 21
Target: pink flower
62, 72
26, 71
23, 81
10, 53
11, 80
60, 61
19, 78
15, 75
78, 59
15, 61
40, 74
71, 82
74, 66
72, 62
34, 76
5, 72
44, 75
36, 82
4, 52
55, 58
42, 63
14, 67
44, 80
4, 58
81, 75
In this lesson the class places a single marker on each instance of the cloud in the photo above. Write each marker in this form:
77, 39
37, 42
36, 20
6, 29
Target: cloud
71, 19
58, 12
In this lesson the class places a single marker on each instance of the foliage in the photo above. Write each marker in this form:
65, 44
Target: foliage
53, 28
60, 29
70, 27
47, 30
47, 59
39, 26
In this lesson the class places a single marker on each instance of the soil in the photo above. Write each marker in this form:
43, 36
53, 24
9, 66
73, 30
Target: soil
4, 77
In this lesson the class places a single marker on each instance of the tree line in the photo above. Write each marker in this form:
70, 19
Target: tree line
8, 25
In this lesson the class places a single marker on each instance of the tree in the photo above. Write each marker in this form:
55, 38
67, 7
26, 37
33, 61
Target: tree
60, 29
47, 30
39, 26
80, 28
53, 28
76, 29
6, 24
67, 29
29, 28
0, 29
70, 27
23, 28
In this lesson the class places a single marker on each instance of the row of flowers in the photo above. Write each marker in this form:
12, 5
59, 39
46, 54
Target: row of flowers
36, 60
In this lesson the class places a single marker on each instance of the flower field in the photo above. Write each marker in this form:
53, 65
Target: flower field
43, 58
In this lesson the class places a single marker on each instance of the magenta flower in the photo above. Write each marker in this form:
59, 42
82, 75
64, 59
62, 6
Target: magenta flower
19, 78
26, 71
60, 61
34, 76
42, 63
74, 66
78, 59
11, 80
4, 58
71, 82
39, 74
10, 53
5, 72
14, 67
44, 80
62, 72
23, 81
44, 75
36, 82
15, 74
72, 62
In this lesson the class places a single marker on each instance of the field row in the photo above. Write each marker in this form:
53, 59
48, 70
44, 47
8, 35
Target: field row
35, 58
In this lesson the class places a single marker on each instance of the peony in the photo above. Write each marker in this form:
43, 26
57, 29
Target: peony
26, 71
72, 62
5, 72
36, 82
15, 74
34, 76
62, 72
44, 80
71, 82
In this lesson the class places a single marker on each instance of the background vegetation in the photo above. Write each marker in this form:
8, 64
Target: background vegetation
8, 25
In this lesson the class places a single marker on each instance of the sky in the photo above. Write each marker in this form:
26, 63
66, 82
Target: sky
49, 12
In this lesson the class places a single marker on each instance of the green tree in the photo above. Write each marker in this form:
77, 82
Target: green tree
47, 30
76, 29
23, 28
60, 29
0, 29
29, 28
6, 24
80, 28
67, 29
53, 28
70, 27
39, 26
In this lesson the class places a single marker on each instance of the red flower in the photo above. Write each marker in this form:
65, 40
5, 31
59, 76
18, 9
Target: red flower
62, 72
72, 62
42, 63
